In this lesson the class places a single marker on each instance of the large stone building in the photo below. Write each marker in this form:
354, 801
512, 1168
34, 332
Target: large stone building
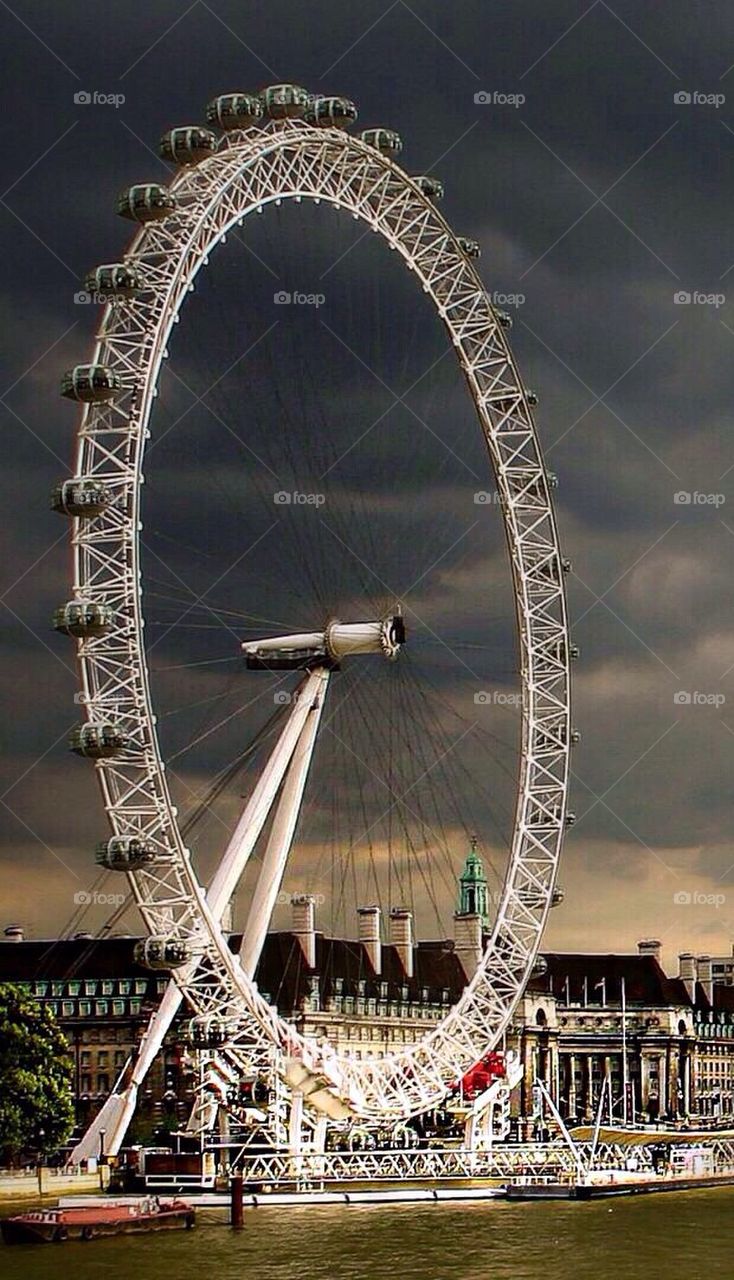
666, 1043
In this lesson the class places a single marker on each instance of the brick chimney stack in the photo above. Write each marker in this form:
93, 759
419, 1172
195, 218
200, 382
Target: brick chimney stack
650, 947
369, 935
688, 972
706, 977
468, 939
401, 937
304, 925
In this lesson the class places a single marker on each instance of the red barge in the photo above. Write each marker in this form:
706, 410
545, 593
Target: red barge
87, 1222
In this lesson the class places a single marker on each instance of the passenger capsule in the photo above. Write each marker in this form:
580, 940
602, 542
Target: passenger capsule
98, 741
124, 853
574, 652
207, 1033
285, 101
385, 140
161, 953
471, 248
339, 113
113, 280
147, 202
534, 898
188, 145
532, 398
552, 479
83, 618
90, 383
235, 111
80, 497
504, 319
540, 967
566, 565
575, 736
570, 818
431, 187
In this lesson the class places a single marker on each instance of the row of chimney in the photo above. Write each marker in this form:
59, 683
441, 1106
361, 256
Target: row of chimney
467, 932
691, 969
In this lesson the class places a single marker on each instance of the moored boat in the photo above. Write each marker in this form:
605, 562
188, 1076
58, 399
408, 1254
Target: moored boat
87, 1222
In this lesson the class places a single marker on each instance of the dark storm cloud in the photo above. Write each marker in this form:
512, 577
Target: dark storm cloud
635, 388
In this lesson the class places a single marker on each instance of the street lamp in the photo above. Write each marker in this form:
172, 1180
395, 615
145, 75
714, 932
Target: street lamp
102, 1133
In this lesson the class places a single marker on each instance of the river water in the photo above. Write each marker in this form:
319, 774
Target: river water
662, 1237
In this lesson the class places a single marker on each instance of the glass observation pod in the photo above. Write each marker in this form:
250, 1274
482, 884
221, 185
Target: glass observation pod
147, 202
534, 898
114, 280
431, 187
504, 318
124, 853
82, 618
207, 1033
339, 113
235, 111
79, 497
285, 101
161, 953
532, 398
90, 383
471, 248
385, 140
98, 741
188, 144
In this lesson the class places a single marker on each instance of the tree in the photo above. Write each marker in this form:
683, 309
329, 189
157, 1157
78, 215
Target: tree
36, 1071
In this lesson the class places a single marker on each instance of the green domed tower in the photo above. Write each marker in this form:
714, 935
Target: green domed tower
473, 887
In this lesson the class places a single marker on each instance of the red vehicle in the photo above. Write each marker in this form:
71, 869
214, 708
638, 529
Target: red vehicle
482, 1075
86, 1222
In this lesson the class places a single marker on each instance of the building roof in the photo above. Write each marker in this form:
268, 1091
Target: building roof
284, 976
587, 977
282, 972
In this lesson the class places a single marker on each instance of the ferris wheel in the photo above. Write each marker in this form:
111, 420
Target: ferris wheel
284, 145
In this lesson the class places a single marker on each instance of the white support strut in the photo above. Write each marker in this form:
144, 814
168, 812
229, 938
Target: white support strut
283, 829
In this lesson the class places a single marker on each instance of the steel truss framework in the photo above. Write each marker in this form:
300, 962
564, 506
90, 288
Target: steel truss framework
252, 168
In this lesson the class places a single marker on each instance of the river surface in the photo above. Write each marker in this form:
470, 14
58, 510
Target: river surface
663, 1237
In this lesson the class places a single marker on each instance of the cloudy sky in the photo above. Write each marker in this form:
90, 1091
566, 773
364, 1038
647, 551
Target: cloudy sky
594, 168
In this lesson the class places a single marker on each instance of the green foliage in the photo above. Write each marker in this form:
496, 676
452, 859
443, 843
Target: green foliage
36, 1071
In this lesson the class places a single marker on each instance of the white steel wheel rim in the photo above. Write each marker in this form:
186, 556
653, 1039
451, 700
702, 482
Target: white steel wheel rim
254, 167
